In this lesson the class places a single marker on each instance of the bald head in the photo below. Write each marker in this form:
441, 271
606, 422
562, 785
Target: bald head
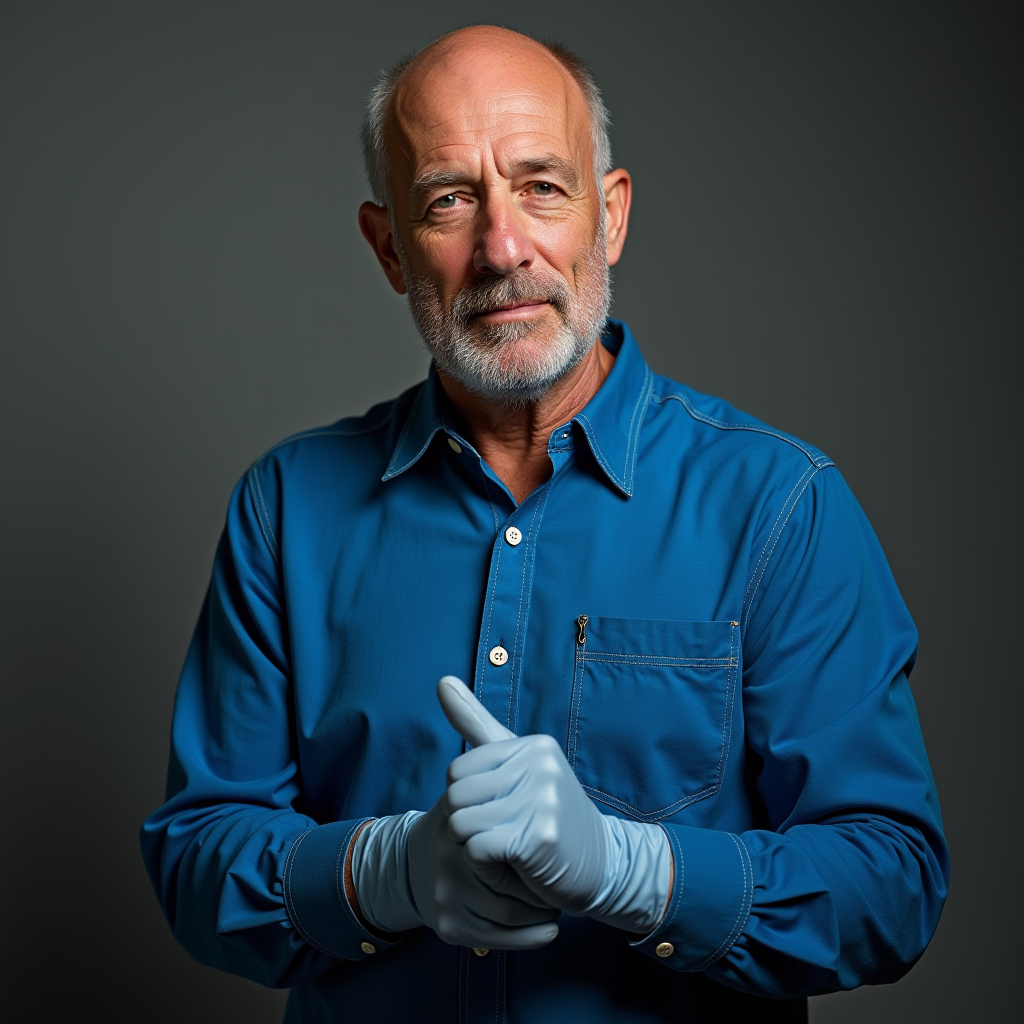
480, 65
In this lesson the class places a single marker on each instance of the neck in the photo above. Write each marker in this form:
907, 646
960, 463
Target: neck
514, 440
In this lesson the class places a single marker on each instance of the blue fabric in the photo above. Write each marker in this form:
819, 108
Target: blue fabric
743, 683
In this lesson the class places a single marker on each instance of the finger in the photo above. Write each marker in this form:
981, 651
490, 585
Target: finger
496, 937
494, 845
468, 717
503, 879
466, 822
479, 788
484, 759
504, 910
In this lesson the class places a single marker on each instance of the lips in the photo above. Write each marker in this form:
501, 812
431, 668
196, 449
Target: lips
526, 305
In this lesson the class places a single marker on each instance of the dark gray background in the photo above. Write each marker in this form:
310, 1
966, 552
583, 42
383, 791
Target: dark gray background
827, 232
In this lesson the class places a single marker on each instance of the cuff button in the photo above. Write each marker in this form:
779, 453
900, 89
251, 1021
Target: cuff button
665, 949
481, 950
369, 947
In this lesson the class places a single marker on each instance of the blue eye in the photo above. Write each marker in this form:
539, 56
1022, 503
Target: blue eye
445, 202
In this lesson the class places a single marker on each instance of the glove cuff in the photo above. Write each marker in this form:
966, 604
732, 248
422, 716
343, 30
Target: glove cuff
380, 873
636, 888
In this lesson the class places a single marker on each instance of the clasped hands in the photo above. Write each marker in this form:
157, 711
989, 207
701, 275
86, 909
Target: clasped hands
512, 842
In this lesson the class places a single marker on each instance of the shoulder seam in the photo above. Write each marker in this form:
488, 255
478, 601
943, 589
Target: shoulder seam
818, 459
260, 508
328, 432
778, 527
256, 487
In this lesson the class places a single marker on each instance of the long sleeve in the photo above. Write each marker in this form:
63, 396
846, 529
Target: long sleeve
248, 884
845, 882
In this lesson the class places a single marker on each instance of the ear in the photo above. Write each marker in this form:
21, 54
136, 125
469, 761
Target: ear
618, 194
375, 225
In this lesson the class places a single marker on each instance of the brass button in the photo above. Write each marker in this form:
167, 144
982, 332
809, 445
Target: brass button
369, 947
480, 950
665, 949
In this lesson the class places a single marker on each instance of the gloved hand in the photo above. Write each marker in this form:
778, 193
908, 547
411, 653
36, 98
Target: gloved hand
516, 803
407, 870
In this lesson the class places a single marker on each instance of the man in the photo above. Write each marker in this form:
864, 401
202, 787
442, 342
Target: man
688, 783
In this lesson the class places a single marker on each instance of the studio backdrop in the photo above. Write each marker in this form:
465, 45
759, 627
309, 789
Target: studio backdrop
827, 232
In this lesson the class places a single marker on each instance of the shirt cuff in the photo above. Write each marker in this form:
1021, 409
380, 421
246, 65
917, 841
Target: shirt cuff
314, 894
710, 900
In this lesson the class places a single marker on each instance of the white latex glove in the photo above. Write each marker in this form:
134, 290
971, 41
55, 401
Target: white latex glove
408, 870
516, 804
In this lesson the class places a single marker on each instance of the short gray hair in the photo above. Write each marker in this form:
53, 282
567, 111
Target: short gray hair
375, 153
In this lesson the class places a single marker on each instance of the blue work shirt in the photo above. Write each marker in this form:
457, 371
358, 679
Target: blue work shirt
740, 679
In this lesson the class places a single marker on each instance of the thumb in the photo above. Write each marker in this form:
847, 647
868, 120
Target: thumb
469, 718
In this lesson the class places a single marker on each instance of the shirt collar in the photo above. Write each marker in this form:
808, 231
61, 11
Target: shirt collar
611, 420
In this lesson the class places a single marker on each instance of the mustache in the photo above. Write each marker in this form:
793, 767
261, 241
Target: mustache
517, 289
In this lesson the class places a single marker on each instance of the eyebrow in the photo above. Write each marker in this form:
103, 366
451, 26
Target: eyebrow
426, 183
432, 180
551, 164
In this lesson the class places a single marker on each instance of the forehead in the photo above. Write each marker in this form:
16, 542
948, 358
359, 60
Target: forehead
506, 100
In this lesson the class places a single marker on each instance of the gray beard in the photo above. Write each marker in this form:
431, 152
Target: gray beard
497, 361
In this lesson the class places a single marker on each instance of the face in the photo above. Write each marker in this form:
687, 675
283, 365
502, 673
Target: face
501, 237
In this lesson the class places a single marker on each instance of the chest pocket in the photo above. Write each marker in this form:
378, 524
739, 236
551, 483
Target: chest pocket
651, 715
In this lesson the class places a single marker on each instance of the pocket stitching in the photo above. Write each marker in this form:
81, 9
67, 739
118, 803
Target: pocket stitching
730, 663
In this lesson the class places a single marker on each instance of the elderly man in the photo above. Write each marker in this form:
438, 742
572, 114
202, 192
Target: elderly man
688, 782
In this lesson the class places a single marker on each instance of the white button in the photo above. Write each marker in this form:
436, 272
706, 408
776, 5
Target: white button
498, 655
665, 949
454, 445
513, 536
481, 950
367, 947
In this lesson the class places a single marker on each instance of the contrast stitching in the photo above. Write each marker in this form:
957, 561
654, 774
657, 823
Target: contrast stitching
633, 440
659, 661
583, 656
796, 501
819, 461
262, 515
326, 432
490, 501
742, 914
482, 656
768, 540
600, 454
516, 672
434, 427
730, 698
290, 902
677, 897
651, 816
580, 675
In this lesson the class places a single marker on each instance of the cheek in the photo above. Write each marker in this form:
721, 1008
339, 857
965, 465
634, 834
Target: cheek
446, 258
567, 244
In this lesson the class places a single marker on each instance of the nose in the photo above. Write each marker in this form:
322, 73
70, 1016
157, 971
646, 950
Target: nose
503, 245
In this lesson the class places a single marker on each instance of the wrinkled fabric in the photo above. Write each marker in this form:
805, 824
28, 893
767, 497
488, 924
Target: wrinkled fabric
742, 683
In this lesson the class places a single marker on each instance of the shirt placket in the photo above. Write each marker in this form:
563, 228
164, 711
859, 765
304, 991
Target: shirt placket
501, 646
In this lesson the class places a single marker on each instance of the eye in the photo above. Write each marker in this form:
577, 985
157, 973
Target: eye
543, 188
445, 202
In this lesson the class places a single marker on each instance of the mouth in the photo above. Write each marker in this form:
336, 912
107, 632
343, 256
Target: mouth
524, 309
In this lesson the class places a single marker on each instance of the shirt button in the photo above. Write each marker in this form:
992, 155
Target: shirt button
481, 950
513, 536
369, 947
454, 445
665, 949
498, 655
